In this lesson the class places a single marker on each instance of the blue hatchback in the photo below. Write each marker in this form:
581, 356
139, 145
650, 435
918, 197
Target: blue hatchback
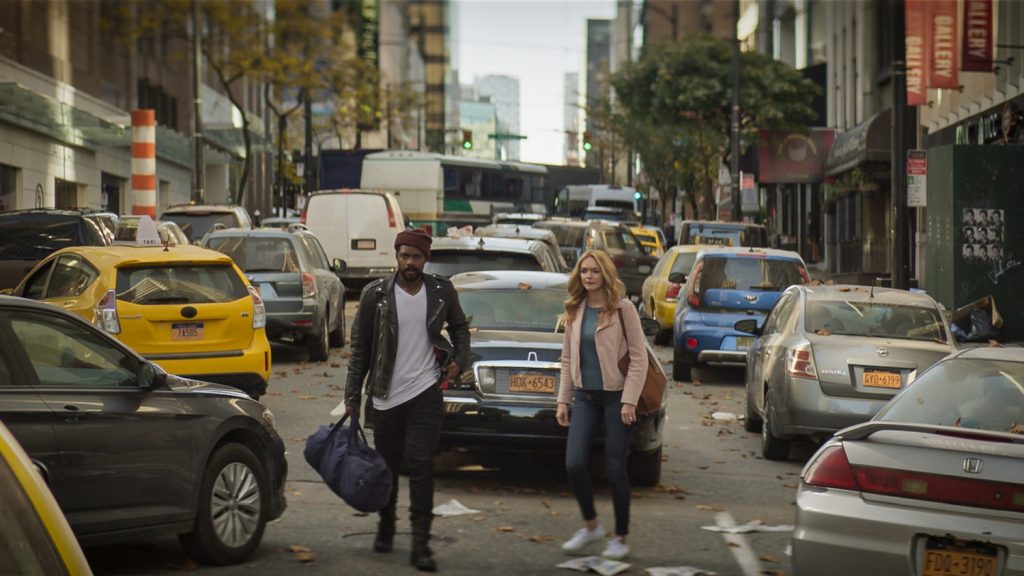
727, 285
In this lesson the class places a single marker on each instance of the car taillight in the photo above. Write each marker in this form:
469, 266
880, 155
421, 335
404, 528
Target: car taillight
308, 285
693, 286
691, 343
302, 217
800, 362
105, 313
672, 292
831, 469
804, 276
259, 311
946, 489
391, 215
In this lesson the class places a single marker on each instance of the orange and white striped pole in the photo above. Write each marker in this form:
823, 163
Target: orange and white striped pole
144, 162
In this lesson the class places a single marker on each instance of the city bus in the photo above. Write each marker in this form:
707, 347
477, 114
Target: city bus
448, 191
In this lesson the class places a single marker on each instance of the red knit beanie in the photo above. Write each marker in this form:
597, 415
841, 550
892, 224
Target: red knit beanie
416, 238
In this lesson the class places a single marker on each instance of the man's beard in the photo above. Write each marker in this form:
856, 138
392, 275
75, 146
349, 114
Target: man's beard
411, 274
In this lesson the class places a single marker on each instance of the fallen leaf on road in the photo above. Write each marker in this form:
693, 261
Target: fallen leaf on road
789, 485
541, 539
710, 508
545, 504
273, 393
504, 529
702, 467
307, 397
733, 545
360, 514
771, 559
282, 373
296, 493
346, 354
297, 548
335, 365
305, 557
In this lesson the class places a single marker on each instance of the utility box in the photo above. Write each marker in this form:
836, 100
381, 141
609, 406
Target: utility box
976, 229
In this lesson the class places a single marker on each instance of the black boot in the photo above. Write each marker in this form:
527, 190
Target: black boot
422, 557
385, 539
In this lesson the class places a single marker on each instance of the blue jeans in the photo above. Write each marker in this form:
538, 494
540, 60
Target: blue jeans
589, 409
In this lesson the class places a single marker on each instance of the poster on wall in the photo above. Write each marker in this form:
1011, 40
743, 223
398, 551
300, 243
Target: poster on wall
983, 230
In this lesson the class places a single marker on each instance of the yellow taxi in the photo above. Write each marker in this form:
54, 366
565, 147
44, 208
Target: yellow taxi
650, 239
35, 537
189, 309
659, 294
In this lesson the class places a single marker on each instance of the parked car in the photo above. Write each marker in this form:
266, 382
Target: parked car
933, 484
509, 402
358, 227
828, 357
617, 240
107, 222
526, 218
525, 232
280, 222
196, 220
129, 450
128, 228
35, 537
304, 299
451, 256
187, 308
727, 285
28, 236
662, 288
713, 233
651, 238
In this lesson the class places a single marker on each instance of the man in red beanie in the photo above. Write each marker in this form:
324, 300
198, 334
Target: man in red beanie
399, 352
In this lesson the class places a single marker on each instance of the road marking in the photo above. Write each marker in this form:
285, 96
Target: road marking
739, 546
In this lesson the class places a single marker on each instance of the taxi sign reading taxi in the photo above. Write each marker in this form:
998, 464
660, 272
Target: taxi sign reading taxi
917, 178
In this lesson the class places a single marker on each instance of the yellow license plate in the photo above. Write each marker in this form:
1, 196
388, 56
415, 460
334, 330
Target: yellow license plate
187, 331
939, 562
534, 383
879, 379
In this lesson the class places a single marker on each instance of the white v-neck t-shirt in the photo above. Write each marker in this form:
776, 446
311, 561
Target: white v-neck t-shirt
416, 367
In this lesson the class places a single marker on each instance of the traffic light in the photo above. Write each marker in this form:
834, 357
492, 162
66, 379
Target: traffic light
638, 195
467, 139
587, 144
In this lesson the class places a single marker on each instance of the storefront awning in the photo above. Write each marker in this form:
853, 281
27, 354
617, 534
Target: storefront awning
867, 142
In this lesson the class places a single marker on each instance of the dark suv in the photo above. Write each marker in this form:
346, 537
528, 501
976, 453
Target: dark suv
28, 236
575, 237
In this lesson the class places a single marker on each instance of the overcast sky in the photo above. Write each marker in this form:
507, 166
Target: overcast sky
537, 41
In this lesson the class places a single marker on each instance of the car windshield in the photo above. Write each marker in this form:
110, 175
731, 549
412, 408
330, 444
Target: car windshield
450, 263
513, 309
195, 226
570, 236
970, 393
747, 273
35, 239
179, 284
874, 319
253, 254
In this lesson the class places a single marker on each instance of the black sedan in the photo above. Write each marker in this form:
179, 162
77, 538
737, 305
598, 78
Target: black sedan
510, 399
131, 451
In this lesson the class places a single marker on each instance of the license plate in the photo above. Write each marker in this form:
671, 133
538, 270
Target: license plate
880, 379
364, 244
533, 383
187, 331
947, 561
744, 342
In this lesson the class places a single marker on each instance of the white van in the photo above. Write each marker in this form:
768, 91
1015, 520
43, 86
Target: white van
358, 226
574, 199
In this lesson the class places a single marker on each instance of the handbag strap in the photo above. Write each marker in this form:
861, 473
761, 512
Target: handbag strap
622, 323
354, 429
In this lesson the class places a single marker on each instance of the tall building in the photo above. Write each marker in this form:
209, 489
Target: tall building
503, 92
430, 24
598, 58
667, 20
571, 118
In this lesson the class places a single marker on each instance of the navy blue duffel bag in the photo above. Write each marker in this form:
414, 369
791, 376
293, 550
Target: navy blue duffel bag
349, 466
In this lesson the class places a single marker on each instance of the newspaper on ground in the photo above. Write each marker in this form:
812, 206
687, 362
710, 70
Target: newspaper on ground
680, 571
752, 526
453, 508
602, 566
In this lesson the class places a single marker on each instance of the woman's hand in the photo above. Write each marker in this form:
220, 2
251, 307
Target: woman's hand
628, 414
562, 414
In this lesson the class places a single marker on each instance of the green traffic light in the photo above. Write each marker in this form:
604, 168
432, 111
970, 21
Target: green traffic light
587, 146
467, 145
637, 195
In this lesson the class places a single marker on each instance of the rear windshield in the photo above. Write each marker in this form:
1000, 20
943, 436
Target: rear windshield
709, 234
747, 273
258, 254
874, 319
568, 236
449, 263
516, 309
180, 284
195, 226
683, 263
619, 240
34, 239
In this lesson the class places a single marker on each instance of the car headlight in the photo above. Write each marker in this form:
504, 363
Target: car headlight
485, 378
268, 418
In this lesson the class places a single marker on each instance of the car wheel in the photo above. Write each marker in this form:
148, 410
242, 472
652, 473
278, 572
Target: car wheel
319, 342
751, 422
232, 510
337, 336
645, 468
681, 367
772, 447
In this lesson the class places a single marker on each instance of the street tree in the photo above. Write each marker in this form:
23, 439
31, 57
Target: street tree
684, 88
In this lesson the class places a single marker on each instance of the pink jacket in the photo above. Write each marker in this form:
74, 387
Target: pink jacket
611, 346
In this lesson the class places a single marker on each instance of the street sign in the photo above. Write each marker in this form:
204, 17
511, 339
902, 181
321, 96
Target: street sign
917, 178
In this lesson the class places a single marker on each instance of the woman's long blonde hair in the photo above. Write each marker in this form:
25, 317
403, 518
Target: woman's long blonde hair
614, 289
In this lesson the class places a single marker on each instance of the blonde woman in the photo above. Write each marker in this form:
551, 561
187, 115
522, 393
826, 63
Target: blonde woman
600, 328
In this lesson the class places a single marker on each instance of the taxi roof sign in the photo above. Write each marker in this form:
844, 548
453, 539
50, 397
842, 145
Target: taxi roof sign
147, 234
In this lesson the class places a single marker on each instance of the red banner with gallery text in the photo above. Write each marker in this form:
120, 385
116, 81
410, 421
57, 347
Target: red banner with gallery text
977, 38
918, 53
945, 58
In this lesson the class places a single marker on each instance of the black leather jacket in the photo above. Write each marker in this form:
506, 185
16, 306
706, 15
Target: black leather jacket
375, 334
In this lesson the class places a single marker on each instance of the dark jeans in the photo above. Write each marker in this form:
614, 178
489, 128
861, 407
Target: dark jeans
589, 409
411, 432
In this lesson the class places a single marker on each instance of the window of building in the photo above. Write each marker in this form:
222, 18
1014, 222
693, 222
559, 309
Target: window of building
884, 26
8, 187
65, 194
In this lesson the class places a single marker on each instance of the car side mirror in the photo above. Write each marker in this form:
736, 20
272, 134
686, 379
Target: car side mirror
339, 265
151, 377
651, 327
677, 278
749, 326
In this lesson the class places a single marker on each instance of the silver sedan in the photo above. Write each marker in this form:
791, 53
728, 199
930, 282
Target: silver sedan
828, 357
933, 485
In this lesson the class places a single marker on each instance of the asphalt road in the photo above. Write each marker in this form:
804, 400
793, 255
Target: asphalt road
713, 475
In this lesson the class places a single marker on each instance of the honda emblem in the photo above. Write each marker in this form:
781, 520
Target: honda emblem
972, 465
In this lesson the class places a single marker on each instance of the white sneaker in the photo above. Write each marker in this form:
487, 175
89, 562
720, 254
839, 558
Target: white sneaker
583, 537
615, 549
